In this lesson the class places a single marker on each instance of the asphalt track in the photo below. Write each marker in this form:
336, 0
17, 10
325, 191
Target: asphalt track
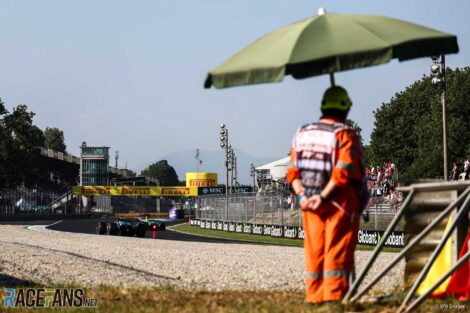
88, 226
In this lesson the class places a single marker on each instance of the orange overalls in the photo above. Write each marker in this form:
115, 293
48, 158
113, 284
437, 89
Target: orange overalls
323, 151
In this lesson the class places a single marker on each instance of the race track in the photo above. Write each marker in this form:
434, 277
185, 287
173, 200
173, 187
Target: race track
88, 226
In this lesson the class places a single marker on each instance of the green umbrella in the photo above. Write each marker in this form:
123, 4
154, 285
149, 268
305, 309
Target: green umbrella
328, 43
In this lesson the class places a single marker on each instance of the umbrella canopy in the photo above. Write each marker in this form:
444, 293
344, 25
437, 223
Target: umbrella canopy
328, 43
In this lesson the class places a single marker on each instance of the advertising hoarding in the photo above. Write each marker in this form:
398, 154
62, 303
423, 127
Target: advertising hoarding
201, 179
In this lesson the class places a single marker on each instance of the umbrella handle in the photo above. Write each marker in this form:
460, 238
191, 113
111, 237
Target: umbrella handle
332, 78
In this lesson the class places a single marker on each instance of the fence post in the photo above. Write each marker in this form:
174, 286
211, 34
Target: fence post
237, 208
254, 209
246, 209
262, 209
271, 208
381, 209
376, 216
289, 211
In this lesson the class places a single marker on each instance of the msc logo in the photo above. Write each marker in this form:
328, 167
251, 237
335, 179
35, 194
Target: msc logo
46, 298
211, 190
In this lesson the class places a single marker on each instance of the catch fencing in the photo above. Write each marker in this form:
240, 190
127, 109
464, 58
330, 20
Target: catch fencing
279, 209
17, 201
32, 201
253, 208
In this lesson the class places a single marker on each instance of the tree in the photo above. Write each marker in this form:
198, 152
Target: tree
354, 126
18, 150
162, 171
5, 142
21, 164
408, 130
54, 139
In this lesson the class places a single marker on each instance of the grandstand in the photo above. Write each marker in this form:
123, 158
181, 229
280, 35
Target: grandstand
53, 192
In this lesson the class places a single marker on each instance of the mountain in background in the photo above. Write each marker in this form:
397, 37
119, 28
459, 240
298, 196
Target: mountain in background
213, 162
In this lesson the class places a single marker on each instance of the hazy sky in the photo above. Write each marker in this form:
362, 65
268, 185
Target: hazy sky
129, 74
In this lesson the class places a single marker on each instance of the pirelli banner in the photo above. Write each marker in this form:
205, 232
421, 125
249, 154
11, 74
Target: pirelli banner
365, 237
201, 179
146, 191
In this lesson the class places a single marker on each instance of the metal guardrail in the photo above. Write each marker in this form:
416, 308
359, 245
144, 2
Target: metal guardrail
414, 203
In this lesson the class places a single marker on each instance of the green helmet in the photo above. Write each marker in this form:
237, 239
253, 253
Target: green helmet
337, 98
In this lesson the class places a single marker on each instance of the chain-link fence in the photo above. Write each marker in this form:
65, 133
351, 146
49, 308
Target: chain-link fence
16, 201
31, 201
381, 211
280, 209
267, 208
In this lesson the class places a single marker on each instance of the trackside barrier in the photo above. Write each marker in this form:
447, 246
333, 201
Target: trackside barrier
252, 208
426, 210
365, 237
136, 215
272, 214
45, 217
276, 209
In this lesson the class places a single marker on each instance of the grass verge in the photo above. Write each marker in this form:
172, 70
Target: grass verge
160, 300
256, 239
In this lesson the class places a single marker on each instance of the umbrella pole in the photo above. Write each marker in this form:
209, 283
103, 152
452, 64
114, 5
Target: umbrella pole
332, 79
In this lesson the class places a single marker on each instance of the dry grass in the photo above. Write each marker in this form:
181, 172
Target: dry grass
162, 300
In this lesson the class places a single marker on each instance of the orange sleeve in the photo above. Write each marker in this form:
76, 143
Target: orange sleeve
348, 158
292, 170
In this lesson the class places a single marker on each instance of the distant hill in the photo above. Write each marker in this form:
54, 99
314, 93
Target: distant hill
212, 161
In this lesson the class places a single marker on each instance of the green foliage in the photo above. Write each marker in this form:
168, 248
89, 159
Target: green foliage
18, 148
408, 129
20, 161
54, 139
5, 143
162, 171
354, 126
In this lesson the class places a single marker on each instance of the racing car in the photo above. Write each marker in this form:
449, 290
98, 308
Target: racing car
122, 227
153, 224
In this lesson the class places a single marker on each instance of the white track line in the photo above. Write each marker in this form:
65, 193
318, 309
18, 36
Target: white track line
43, 227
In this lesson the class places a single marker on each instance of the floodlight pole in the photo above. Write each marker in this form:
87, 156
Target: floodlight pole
444, 114
224, 145
438, 74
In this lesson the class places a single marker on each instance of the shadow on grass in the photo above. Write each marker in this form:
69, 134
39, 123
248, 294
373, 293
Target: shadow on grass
171, 300
11, 282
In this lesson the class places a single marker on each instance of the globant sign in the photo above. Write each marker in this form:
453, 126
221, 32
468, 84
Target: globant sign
373, 237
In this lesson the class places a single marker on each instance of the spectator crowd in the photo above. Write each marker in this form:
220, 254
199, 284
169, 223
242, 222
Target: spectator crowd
382, 180
460, 170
